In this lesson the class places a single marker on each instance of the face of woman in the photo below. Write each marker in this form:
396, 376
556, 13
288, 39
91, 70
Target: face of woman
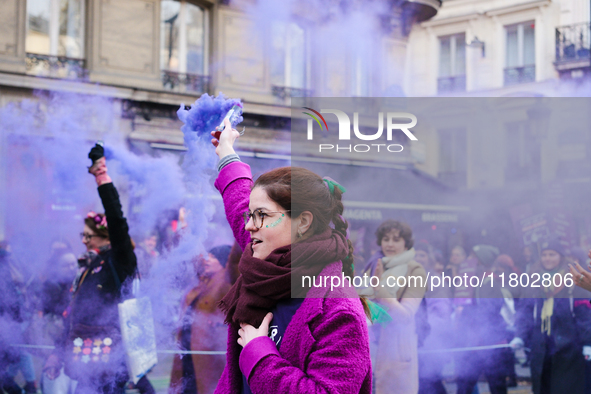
438, 267
91, 240
212, 265
422, 258
550, 259
276, 230
457, 256
66, 266
392, 244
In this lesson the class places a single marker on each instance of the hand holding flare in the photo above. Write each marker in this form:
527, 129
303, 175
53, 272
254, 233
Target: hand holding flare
99, 166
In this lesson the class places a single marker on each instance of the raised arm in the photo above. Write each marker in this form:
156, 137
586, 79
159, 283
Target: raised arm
124, 258
234, 182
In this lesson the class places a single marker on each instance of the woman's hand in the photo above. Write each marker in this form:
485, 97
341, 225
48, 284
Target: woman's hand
224, 141
248, 333
379, 271
581, 277
99, 165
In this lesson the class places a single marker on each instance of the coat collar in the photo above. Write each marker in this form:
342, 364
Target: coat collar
403, 258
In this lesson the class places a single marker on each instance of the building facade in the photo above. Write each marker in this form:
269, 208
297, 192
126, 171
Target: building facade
149, 56
533, 58
497, 48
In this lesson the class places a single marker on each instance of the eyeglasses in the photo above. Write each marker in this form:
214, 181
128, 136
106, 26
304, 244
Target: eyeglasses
88, 237
258, 216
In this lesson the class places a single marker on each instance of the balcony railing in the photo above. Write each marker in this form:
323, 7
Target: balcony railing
283, 92
516, 75
182, 82
573, 42
451, 84
56, 66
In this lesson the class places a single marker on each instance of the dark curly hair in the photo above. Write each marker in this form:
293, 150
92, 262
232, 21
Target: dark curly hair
404, 231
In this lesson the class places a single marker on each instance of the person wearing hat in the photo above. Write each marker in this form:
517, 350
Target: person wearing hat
202, 323
479, 323
555, 323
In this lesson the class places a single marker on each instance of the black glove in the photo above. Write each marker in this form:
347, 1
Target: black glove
96, 153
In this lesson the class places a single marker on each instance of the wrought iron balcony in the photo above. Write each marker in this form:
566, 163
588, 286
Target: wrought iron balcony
517, 75
451, 84
283, 92
56, 66
182, 82
573, 42
573, 55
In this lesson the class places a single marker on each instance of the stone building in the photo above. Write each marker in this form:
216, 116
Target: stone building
536, 56
151, 55
498, 48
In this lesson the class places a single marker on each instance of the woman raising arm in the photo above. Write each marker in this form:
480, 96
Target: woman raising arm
317, 344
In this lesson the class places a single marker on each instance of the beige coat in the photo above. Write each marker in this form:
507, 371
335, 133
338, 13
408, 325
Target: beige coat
208, 331
396, 364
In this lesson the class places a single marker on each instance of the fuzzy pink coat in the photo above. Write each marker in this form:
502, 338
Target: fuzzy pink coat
325, 348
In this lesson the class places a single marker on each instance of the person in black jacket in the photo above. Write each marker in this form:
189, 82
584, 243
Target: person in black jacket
91, 348
10, 319
555, 322
479, 323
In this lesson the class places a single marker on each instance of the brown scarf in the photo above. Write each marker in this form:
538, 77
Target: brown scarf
263, 283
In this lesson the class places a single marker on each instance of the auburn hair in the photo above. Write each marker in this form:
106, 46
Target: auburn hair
404, 232
296, 190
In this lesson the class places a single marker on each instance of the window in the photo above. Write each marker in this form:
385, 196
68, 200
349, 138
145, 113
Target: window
289, 60
520, 54
452, 64
453, 161
183, 46
55, 37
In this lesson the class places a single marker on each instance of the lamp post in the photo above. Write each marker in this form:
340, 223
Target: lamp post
476, 43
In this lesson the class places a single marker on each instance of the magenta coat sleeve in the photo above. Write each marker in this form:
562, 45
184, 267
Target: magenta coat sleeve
234, 182
339, 361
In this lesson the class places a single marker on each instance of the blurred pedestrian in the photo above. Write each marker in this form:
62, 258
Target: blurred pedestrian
147, 255
54, 297
439, 310
555, 322
202, 323
528, 258
11, 305
24, 362
479, 323
456, 258
504, 264
396, 359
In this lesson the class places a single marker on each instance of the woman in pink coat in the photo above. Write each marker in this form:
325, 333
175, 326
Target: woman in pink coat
285, 338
